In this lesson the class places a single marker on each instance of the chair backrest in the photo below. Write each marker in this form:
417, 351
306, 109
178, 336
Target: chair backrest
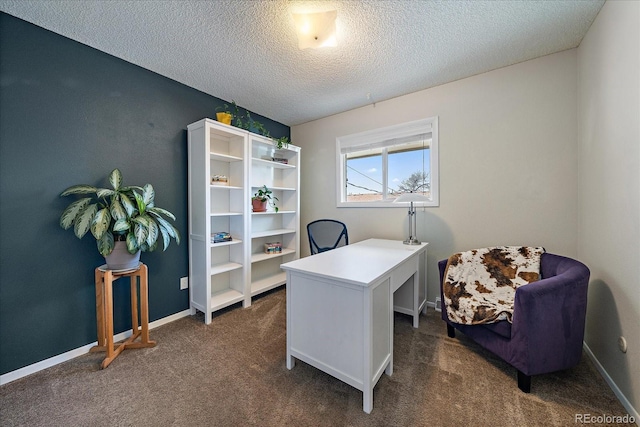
326, 234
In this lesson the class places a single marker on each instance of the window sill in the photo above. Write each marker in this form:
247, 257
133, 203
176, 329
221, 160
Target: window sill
387, 204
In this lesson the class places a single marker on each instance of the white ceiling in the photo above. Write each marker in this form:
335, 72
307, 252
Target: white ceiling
247, 50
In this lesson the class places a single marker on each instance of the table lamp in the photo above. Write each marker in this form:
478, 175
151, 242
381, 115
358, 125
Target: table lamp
411, 197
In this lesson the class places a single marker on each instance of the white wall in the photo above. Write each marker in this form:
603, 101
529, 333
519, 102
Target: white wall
609, 229
508, 162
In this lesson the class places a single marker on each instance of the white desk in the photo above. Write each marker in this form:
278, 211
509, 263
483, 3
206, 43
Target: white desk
340, 309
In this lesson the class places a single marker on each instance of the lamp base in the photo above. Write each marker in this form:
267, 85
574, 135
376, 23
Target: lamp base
412, 241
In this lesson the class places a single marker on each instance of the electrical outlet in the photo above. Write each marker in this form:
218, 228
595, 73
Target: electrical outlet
184, 283
622, 344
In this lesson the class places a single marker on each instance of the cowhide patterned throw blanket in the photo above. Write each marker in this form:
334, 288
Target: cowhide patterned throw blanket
480, 285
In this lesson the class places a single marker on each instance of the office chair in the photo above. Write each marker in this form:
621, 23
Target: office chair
326, 234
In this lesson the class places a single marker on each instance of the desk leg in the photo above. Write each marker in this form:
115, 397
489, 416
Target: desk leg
423, 284
416, 294
367, 400
389, 369
291, 361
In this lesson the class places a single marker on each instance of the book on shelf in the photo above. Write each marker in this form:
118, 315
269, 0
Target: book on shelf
273, 248
219, 180
276, 159
220, 236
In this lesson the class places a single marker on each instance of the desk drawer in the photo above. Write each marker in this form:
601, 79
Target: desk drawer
402, 273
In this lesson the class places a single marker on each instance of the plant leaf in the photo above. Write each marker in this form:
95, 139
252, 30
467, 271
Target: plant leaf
100, 223
156, 211
127, 204
130, 188
117, 210
78, 189
166, 239
153, 247
132, 244
105, 192
84, 220
153, 232
140, 229
148, 194
71, 212
142, 206
121, 224
115, 179
170, 229
106, 244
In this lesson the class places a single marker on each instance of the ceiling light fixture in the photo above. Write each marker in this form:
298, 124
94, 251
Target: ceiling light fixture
316, 29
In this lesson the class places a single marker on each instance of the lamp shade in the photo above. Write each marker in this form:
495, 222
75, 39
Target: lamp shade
316, 29
411, 197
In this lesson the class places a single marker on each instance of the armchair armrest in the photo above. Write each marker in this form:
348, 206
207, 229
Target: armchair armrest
549, 317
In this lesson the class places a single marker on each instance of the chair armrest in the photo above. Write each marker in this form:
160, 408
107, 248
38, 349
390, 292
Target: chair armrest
549, 318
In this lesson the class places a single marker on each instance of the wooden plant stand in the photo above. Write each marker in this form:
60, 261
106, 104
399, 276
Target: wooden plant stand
104, 279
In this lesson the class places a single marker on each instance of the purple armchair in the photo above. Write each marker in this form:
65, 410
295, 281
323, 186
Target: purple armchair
548, 321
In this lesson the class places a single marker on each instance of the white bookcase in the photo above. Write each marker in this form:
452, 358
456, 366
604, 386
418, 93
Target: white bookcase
222, 274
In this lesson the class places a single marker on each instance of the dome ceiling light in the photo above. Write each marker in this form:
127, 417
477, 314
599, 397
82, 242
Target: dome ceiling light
316, 29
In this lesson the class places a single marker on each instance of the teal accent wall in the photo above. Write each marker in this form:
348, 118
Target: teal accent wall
69, 114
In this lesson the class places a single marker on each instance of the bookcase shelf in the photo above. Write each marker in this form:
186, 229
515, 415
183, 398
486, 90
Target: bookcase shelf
264, 257
224, 157
268, 283
272, 164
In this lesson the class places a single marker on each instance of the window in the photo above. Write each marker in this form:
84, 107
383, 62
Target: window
377, 166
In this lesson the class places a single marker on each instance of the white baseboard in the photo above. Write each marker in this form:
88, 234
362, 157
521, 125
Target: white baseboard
71, 354
621, 397
438, 305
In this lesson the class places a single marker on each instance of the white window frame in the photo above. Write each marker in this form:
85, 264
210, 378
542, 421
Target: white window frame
379, 138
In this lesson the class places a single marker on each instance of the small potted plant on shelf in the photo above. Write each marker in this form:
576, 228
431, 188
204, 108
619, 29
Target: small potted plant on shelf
257, 127
224, 114
260, 199
282, 142
123, 219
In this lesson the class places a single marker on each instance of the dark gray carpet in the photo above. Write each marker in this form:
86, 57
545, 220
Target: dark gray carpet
233, 373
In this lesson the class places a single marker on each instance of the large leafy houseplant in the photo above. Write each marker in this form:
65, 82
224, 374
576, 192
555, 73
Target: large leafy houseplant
124, 213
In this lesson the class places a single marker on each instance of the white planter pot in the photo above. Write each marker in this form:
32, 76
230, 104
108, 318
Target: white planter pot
121, 259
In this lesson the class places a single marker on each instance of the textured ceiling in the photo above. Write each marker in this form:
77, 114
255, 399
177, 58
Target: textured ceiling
247, 50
